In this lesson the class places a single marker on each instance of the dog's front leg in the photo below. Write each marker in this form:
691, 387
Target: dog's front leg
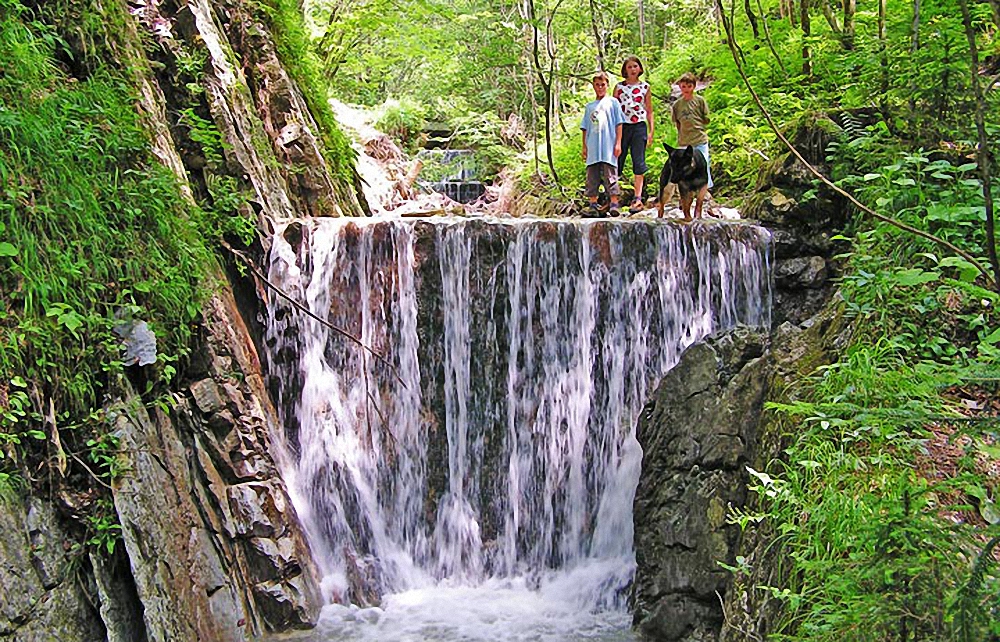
700, 202
666, 197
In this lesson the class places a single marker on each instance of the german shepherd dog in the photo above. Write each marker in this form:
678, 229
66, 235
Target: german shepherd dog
686, 168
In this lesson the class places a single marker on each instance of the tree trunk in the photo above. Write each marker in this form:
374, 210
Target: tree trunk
550, 50
546, 83
914, 47
790, 12
831, 18
598, 40
883, 59
642, 23
806, 35
983, 151
752, 18
943, 94
767, 38
848, 32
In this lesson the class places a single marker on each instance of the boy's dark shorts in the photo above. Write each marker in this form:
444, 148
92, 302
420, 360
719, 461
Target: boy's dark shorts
602, 173
634, 138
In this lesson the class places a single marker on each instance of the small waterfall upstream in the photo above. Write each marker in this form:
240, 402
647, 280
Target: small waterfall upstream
476, 479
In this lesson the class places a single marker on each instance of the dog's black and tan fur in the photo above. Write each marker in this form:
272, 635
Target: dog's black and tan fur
687, 170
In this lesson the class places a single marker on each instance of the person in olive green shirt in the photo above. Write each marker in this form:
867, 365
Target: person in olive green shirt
690, 116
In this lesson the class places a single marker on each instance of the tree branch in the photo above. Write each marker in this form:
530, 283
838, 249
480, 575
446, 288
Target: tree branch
301, 308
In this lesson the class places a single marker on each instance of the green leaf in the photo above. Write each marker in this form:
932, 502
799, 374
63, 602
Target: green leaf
993, 337
6, 249
989, 511
905, 182
967, 166
967, 272
872, 177
916, 276
71, 320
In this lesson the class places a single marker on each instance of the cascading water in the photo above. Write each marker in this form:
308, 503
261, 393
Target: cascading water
476, 479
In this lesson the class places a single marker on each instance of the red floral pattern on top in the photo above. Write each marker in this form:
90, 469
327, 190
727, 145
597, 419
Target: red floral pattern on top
633, 100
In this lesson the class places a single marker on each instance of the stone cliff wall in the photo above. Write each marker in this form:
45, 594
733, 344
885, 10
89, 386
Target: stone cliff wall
212, 538
210, 544
697, 434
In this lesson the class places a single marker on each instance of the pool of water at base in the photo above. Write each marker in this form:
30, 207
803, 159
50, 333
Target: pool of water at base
506, 611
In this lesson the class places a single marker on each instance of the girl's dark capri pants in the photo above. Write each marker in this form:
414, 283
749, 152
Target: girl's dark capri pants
634, 143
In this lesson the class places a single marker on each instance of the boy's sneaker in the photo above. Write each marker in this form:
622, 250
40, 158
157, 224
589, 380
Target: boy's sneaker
614, 211
592, 211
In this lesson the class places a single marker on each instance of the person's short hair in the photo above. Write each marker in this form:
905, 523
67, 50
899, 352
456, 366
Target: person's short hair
634, 59
603, 75
687, 77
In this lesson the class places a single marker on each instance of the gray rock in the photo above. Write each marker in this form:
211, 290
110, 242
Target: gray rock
40, 599
206, 396
695, 434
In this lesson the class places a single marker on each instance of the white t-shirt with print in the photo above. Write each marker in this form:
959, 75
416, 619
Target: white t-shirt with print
633, 100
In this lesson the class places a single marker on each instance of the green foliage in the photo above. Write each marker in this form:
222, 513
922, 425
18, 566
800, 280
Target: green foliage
402, 119
871, 557
295, 50
484, 133
103, 529
92, 229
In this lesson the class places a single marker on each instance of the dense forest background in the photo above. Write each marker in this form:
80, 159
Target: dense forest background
884, 512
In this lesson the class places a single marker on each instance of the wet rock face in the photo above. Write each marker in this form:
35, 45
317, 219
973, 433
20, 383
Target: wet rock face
803, 219
697, 434
40, 595
214, 543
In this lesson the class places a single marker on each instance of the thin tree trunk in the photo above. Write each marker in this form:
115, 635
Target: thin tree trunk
806, 35
731, 18
943, 94
767, 38
831, 17
983, 151
546, 84
850, 6
914, 48
598, 40
883, 59
550, 50
752, 18
789, 12
642, 23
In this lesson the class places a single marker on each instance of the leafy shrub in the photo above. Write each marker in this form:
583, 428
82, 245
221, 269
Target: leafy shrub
402, 119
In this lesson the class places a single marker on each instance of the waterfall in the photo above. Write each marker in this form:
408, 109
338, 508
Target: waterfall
490, 442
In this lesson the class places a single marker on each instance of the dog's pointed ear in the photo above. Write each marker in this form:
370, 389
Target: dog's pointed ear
670, 150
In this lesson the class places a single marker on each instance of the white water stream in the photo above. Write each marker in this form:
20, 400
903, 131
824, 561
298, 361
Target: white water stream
481, 484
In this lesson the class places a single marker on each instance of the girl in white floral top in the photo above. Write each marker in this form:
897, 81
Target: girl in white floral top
636, 101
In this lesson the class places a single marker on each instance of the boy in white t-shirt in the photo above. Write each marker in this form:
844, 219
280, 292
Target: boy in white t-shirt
602, 144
